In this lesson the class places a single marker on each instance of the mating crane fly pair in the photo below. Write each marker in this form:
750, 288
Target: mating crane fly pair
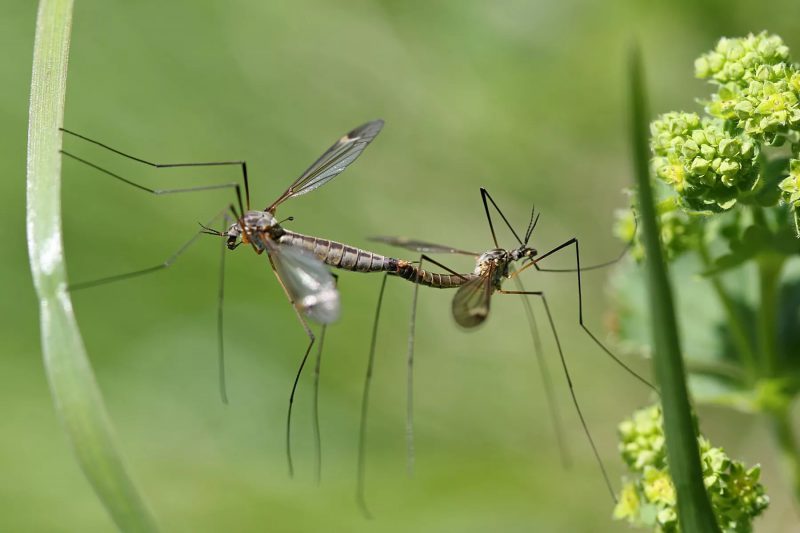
299, 263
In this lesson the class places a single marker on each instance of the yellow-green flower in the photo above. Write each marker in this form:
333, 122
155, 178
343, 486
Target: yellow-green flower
758, 86
658, 487
650, 499
790, 186
706, 165
628, 503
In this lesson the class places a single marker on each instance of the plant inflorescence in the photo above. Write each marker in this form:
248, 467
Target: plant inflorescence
649, 499
727, 183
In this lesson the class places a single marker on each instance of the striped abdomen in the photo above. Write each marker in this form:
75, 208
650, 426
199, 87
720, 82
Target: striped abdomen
414, 274
340, 255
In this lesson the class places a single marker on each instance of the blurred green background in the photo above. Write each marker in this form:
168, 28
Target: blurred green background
524, 98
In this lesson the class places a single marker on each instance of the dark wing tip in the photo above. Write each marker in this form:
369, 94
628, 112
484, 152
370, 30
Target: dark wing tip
366, 132
386, 239
473, 319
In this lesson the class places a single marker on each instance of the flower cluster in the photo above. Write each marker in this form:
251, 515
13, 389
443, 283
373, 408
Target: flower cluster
677, 231
735, 60
790, 187
736, 495
722, 159
758, 86
707, 166
790, 191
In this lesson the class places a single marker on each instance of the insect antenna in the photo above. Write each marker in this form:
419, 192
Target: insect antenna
531, 225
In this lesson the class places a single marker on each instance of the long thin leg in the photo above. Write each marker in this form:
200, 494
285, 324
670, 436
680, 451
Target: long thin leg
161, 192
484, 196
623, 252
571, 387
165, 264
311, 339
410, 456
241, 164
570, 242
362, 434
223, 387
552, 404
315, 403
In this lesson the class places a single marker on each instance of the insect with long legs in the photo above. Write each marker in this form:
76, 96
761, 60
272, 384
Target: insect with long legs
470, 308
298, 261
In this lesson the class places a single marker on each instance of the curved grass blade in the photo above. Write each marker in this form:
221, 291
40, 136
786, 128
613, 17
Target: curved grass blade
75, 393
694, 508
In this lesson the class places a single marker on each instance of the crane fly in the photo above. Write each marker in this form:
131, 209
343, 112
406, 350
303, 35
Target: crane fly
470, 308
298, 261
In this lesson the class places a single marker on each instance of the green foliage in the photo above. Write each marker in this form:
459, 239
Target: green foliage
728, 208
649, 499
75, 393
692, 503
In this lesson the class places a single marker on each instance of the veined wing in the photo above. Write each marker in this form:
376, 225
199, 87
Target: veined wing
332, 162
471, 302
420, 246
310, 285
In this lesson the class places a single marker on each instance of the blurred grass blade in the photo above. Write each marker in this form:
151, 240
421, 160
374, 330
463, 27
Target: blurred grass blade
694, 509
75, 392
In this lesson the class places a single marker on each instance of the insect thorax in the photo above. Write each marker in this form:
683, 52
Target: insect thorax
496, 260
258, 226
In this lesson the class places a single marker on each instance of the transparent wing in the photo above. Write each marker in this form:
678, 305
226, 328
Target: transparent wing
420, 246
471, 302
310, 285
332, 162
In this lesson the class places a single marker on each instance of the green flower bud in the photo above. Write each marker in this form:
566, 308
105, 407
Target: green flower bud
728, 147
712, 180
736, 494
739, 59
790, 186
699, 165
790, 191
728, 167
679, 230
757, 86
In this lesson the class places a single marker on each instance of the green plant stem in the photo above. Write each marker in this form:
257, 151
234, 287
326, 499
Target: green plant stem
788, 445
75, 393
694, 508
735, 323
769, 273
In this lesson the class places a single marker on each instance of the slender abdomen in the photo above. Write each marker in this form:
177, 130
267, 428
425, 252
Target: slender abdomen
340, 255
414, 274
346, 257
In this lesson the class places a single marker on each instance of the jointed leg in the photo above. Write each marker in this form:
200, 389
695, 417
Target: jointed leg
311, 339
570, 242
604, 264
241, 164
410, 363
486, 196
165, 264
548, 386
315, 404
362, 437
223, 388
569, 384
